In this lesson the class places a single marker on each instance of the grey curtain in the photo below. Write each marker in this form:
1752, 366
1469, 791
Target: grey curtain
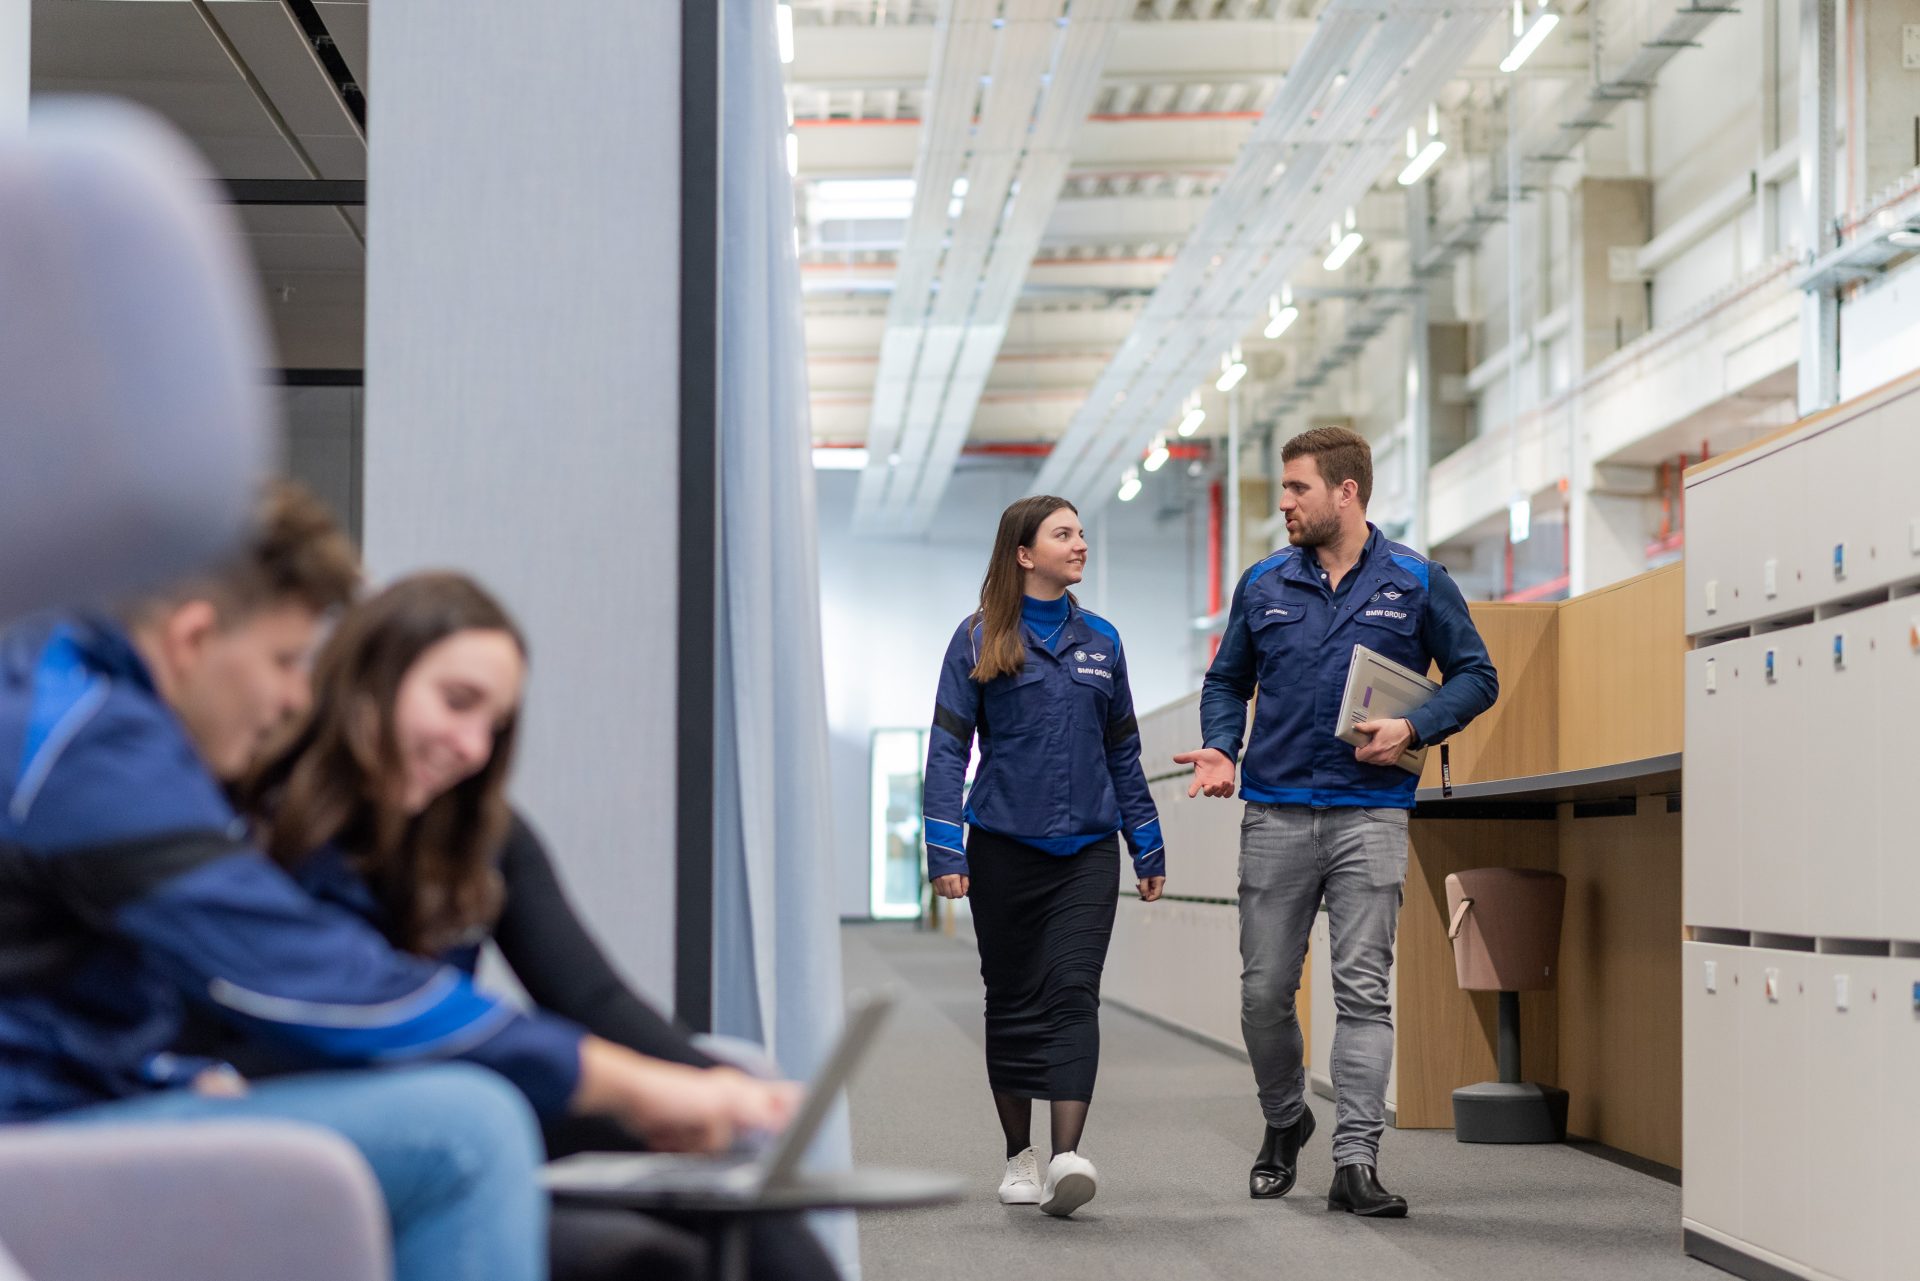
776, 929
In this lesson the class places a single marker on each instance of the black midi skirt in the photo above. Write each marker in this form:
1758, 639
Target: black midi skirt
1043, 922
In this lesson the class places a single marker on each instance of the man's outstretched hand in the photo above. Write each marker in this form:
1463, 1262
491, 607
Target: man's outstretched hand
1212, 771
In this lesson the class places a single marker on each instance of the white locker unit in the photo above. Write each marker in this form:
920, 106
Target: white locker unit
1894, 1143
1203, 841
1723, 577
1710, 819
1832, 515
1897, 516
1167, 731
1775, 799
1800, 1113
1773, 1096
1179, 962
1843, 1105
1891, 772
1714, 978
1840, 860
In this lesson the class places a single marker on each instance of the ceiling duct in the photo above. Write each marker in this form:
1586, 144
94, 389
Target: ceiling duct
1012, 81
1336, 125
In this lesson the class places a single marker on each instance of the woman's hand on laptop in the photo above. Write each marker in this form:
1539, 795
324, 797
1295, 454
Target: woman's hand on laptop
677, 1108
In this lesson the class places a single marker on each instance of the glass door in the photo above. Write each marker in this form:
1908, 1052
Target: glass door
895, 850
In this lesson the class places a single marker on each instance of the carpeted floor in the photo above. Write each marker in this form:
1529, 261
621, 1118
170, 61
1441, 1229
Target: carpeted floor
1172, 1132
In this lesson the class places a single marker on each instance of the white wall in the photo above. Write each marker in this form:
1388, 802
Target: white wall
889, 606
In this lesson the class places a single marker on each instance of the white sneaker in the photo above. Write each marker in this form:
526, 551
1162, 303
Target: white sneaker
1021, 1184
1070, 1184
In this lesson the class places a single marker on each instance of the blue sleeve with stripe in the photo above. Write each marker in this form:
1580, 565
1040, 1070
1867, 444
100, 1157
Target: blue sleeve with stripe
1139, 818
238, 934
956, 710
129, 820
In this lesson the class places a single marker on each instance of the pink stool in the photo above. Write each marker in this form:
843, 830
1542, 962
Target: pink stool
1505, 927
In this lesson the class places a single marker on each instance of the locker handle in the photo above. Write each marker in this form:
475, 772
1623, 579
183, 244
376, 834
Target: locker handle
1460, 914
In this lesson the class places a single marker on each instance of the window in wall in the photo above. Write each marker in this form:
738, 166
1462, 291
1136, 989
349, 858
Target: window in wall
894, 827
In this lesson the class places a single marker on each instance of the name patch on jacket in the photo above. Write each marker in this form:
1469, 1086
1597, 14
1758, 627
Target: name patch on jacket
1398, 615
1101, 672
1283, 613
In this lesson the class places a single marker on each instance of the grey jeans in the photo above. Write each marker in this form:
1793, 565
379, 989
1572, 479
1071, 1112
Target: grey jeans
1290, 857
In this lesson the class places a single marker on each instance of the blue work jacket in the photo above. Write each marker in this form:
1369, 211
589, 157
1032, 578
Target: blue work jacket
130, 888
1059, 749
1287, 639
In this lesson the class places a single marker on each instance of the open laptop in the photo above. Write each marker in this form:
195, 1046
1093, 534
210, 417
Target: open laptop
662, 1178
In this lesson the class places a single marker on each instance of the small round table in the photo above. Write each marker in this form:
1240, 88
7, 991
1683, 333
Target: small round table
724, 1219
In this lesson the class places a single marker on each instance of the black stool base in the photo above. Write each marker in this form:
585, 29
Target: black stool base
1497, 1112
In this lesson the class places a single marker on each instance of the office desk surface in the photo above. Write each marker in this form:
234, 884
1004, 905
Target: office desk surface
1518, 797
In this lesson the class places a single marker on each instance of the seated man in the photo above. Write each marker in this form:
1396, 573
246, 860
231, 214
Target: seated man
129, 888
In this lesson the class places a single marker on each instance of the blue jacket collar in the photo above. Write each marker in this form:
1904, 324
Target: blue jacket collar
1375, 568
1074, 632
101, 645
110, 650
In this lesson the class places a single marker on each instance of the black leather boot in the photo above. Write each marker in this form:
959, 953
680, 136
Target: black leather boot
1356, 1189
1278, 1164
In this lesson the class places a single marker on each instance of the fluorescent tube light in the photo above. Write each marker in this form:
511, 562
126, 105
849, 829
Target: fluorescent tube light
1343, 251
1158, 455
1191, 423
830, 458
1129, 486
1417, 167
1281, 320
783, 30
1231, 376
1542, 25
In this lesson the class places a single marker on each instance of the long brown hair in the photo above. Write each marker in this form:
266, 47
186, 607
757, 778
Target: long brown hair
1002, 652
340, 776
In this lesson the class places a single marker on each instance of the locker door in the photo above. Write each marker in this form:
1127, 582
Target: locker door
1899, 705
1710, 818
1775, 801
1710, 1141
1781, 533
1773, 1101
1840, 861
1722, 575
1844, 1034
1897, 459
1891, 1150
1836, 555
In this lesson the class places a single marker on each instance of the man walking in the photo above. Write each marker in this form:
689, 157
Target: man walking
1323, 818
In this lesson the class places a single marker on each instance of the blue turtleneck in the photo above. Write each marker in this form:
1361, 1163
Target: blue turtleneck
1043, 616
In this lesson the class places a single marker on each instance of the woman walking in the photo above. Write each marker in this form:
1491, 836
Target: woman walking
1043, 684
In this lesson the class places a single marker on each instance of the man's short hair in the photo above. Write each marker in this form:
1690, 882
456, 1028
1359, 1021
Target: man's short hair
294, 553
1340, 454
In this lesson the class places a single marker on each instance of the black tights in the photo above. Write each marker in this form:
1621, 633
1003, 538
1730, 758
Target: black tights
1069, 1118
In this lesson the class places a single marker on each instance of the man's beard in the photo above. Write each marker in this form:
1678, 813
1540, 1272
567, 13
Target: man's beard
1314, 533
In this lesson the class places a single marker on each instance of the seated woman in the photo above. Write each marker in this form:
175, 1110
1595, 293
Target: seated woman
389, 801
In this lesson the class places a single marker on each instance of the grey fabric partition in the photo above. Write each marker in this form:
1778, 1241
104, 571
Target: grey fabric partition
522, 396
776, 938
